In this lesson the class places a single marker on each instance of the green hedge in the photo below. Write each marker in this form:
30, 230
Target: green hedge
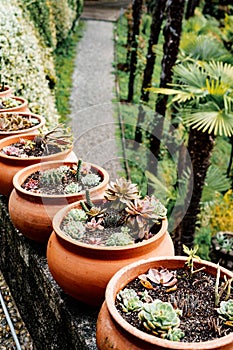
30, 32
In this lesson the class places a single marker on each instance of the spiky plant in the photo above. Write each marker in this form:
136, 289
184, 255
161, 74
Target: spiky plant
121, 192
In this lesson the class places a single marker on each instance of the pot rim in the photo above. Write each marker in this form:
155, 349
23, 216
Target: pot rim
19, 98
20, 132
22, 174
14, 138
58, 217
110, 295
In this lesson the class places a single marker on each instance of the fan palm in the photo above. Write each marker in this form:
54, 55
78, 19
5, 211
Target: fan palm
203, 93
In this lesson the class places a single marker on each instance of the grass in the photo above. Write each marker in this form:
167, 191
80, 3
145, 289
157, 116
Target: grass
65, 64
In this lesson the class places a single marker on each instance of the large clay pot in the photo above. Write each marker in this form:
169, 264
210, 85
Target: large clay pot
23, 107
32, 213
7, 92
10, 165
83, 270
113, 332
33, 129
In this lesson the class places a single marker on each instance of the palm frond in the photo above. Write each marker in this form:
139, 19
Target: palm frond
215, 181
220, 71
216, 122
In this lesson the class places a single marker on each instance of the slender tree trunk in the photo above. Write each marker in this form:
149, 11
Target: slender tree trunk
172, 32
191, 5
137, 10
157, 19
129, 33
231, 158
200, 146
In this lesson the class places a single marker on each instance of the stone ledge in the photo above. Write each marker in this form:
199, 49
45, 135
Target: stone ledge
54, 320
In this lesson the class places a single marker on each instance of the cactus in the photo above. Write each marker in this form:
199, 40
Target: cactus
78, 174
53, 177
129, 300
160, 318
225, 312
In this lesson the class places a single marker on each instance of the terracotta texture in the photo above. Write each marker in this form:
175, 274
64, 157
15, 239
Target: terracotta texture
10, 165
32, 213
23, 107
7, 92
113, 332
83, 270
31, 130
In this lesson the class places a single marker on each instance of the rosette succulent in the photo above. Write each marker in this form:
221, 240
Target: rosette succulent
129, 300
121, 191
161, 319
226, 312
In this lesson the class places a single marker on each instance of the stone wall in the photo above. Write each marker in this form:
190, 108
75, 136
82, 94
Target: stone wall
54, 320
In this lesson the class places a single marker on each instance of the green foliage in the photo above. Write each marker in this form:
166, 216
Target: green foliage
53, 176
65, 57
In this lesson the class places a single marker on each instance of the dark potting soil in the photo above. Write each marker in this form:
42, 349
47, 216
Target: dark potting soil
20, 150
194, 296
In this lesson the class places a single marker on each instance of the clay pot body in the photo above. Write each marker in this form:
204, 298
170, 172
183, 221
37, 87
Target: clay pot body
23, 107
32, 213
83, 270
7, 92
113, 332
10, 165
32, 130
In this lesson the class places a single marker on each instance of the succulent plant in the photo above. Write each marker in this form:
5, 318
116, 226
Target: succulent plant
159, 276
159, 318
9, 103
226, 312
121, 238
76, 215
90, 180
74, 229
95, 225
174, 334
73, 188
53, 176
13, 122
121, 192
129, 300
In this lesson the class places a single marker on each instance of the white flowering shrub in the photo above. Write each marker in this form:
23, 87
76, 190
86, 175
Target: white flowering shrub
27, 62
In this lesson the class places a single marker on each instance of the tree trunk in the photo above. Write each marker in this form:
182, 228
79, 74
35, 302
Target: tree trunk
157, 19
200, 146
172, 32
231, 158
191, 5
137, 10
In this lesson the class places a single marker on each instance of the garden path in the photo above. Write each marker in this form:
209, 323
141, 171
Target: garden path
93, 114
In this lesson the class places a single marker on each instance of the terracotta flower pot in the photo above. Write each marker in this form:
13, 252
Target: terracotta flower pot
10, 165
23, 107
83, 270
7, 92
33, 129
113, 332
32, 213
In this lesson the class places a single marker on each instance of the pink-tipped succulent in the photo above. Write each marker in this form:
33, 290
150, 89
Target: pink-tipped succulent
159, 276
94, 225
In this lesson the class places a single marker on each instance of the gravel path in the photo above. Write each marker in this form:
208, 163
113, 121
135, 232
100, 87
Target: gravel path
93, 114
